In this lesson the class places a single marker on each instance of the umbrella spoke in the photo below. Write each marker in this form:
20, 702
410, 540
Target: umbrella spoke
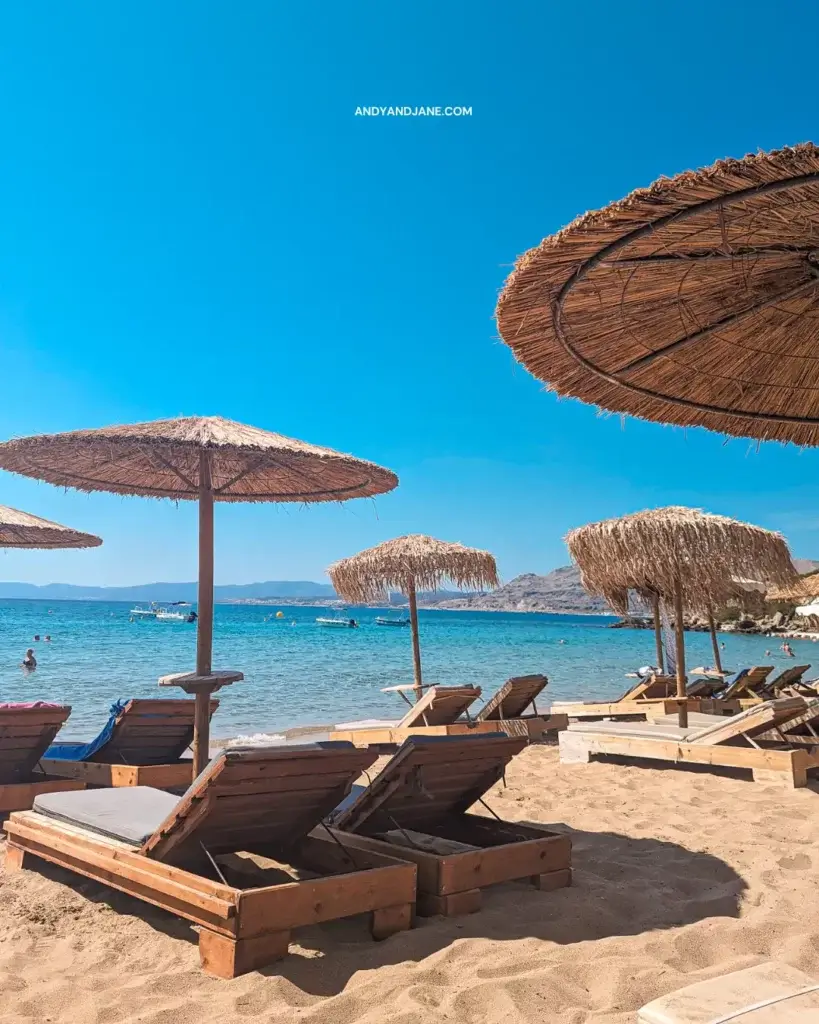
718, 325
744, 252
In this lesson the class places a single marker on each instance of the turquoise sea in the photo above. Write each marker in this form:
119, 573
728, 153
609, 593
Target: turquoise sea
297, 673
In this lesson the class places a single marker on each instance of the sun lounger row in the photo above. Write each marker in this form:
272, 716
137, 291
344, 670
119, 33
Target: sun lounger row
447, 711
217, 854
656, 695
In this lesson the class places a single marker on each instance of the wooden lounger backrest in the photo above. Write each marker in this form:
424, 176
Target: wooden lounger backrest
25, 735
704, 687
440, 705
787, 678
151, 732
751, 722
430, 779
513, 698
653, 688
258, 799
751, 682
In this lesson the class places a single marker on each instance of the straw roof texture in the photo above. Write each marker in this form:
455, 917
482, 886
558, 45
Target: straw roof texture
648, 551
806, 586
416, 560
693, 302
161, 459
21, 530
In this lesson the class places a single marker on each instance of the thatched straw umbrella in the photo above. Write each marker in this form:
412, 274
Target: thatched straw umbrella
800, 589
204, 459
21, 530
695, 301
409, 564
683, 555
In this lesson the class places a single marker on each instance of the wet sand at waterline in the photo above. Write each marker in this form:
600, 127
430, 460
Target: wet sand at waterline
678, 875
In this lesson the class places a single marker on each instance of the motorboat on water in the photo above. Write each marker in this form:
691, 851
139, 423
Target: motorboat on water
167, 616
143, 613
335, 622
382, 620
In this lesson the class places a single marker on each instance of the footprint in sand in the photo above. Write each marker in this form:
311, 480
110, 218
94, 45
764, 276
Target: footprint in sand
799, 862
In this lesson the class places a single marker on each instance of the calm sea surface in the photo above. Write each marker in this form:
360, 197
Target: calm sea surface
298, 673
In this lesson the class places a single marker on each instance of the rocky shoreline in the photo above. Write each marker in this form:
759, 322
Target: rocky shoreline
778, 624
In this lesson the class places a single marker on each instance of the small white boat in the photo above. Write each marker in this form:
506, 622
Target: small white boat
383, 621
337, 623
143, 613
165, 616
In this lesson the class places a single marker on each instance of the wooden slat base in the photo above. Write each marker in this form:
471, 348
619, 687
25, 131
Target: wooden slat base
642, 709
788, 768
451, 883
242, 927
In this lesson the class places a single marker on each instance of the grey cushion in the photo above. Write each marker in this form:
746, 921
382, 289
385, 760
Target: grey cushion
128, 813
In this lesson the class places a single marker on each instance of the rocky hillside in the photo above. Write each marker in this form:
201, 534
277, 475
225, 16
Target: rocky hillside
558, 591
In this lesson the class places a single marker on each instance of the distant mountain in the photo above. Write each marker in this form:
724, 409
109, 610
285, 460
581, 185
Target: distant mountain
558, 591
805, 565
278, 589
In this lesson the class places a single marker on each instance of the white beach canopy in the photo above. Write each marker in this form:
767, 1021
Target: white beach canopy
197, 458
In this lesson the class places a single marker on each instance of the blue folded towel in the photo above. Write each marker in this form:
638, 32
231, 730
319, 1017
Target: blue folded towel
82, 751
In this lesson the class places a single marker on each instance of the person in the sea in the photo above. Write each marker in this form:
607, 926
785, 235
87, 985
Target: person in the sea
29, 662
36, 636
48, 639
788, 650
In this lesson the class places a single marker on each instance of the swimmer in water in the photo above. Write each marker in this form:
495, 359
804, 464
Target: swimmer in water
36, 636
29, 662
48, 639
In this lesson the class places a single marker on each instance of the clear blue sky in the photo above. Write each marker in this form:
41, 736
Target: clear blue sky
192, 220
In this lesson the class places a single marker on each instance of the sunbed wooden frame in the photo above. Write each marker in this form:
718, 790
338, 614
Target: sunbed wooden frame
262, 801
750, 684
25, 733
145, 748
507, 709
428, 787
437, 713
647, 709
768, 762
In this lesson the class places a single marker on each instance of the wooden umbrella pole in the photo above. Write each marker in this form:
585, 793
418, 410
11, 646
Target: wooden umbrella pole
714, 641
658, 635
204, 622
416, 646
679, 631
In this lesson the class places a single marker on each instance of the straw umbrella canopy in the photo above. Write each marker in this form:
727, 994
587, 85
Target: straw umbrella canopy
22, 530
204, 459
409, 564
693, 302
686, 556
800, 589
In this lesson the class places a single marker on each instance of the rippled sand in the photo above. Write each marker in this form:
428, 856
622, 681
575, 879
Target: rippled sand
676, 873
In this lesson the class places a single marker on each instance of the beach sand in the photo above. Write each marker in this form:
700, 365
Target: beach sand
678, 876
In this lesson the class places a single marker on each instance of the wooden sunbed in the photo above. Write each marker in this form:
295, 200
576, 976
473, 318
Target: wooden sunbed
438, 713
786, 680
734, 741
145, 748
750, 684
191, 856
508, 706
25, 733
417, 808
649, 698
